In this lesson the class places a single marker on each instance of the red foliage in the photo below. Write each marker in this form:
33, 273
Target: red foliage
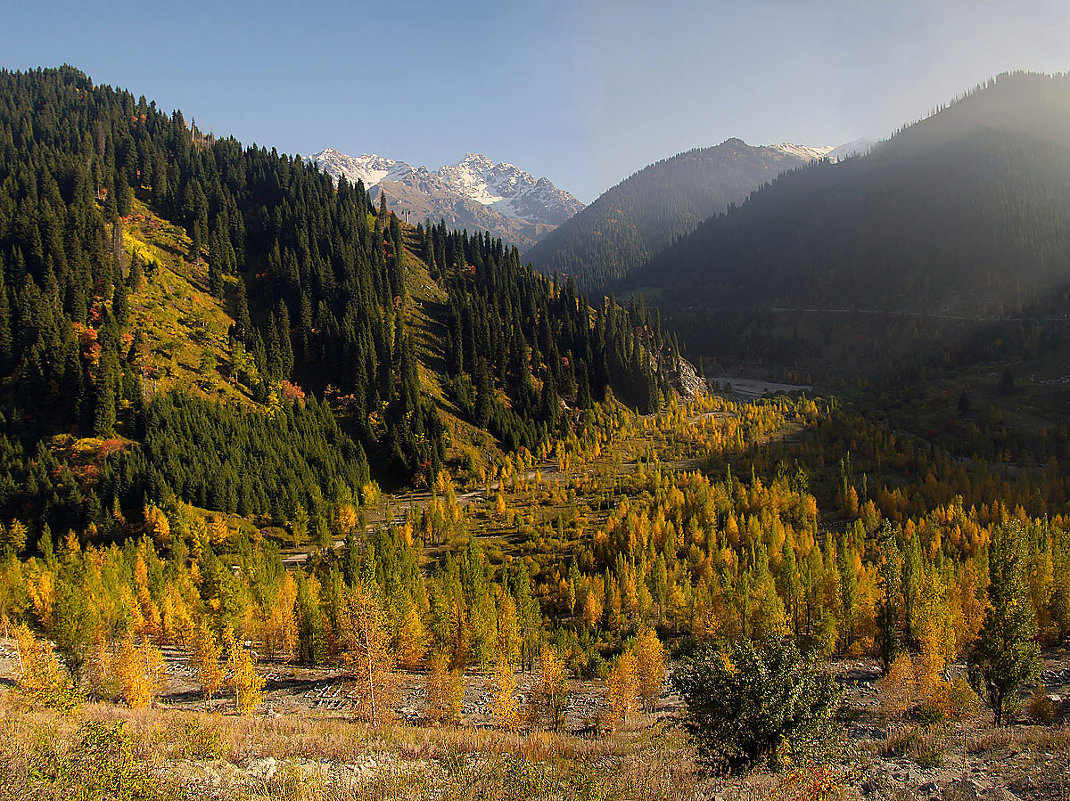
290, 392
87, 339
108, 447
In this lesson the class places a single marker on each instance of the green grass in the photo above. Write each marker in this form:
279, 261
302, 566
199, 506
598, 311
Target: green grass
184, 327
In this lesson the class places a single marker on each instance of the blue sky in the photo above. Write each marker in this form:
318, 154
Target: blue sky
584, 93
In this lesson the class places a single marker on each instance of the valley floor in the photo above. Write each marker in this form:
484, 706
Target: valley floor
307, 741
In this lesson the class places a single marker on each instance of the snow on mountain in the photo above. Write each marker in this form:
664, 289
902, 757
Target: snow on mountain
368, 168
509, 189
457, 191
857, 147
802, 151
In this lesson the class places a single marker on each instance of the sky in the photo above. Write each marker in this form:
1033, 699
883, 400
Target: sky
584, 93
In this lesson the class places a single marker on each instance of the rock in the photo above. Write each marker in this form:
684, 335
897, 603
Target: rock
963, 790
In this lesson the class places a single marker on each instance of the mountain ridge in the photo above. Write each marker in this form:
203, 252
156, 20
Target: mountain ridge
630, 222
957, 222
473, 192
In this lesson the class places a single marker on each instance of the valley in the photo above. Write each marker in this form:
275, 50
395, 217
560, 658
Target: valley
755, 486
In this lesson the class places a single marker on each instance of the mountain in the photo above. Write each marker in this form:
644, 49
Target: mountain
639, 216
184, 318
474, 193
956, 228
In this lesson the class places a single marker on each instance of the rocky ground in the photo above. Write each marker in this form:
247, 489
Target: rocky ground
302, 736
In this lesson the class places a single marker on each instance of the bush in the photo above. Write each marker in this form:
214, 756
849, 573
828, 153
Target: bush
757, 704
1040, 707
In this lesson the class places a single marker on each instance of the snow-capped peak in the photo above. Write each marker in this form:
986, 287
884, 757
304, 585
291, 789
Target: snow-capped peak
803, 151
857, 147
368, 167
503, 187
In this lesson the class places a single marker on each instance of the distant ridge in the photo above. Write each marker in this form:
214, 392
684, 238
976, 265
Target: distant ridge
631, 222
957, 222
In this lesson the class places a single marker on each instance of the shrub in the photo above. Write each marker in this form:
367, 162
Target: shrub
928, 714
1040, 707
757, 704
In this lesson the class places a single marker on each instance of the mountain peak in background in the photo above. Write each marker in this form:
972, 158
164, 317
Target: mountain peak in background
957, 227
644, 213
475, 192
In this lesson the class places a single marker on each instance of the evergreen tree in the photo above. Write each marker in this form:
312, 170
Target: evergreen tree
1007, 655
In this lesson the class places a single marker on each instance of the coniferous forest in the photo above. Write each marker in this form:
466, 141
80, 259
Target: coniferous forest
315, 280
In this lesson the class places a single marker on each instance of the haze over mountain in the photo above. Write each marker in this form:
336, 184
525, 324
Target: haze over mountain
957, 222
642, 214
473, 193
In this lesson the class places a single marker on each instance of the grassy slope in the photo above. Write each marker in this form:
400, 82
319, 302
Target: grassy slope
176, 315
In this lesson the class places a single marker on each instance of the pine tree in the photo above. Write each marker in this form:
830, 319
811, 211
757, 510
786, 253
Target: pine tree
1007, 655
889, 611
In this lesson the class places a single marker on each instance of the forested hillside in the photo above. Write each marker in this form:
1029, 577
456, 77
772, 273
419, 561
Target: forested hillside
956, 224
642, 214
312, 281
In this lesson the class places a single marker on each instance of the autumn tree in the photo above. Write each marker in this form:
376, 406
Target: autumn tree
41, 677
506, 702
206, 653
445, 691
247, 684
551, 689
650, 667
139, 670
622, 685
365, 640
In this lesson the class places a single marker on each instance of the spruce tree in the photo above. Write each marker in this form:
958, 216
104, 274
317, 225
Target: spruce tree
1006, 655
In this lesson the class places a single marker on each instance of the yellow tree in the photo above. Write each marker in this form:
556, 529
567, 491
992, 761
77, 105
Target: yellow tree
551, 689
157, 525
509, 641
218, 531
278, 628
365, 640
150, 614
139, 672
445, 691
622, 685
41, 677
247, 684
411, 638
206, 653
650, 667
176, 619
506, 703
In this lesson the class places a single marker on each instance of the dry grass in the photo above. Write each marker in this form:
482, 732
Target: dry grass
1055, 740
166, 753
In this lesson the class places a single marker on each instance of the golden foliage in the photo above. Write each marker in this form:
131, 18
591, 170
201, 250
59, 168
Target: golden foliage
650, 667
506, 702
551, 690
206, 653
41, 677
622, 685
139, 671
247, 684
